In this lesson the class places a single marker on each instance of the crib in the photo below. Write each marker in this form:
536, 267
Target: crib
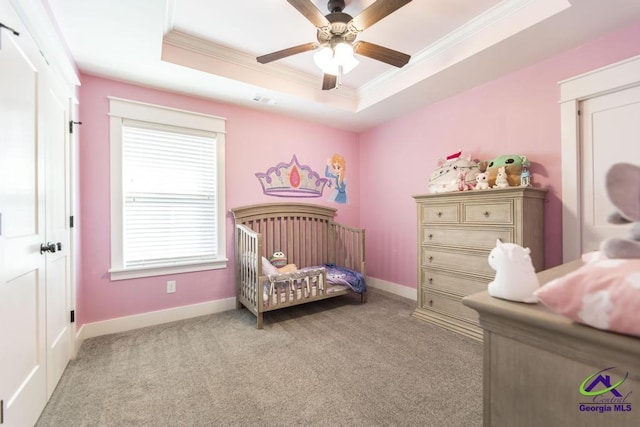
326, 253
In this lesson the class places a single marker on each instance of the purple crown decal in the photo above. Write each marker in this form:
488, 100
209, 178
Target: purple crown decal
291, 180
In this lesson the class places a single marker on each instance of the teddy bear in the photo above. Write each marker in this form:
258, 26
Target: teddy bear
623, 189
482, 181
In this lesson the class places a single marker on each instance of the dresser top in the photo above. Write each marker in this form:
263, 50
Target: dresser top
533, 192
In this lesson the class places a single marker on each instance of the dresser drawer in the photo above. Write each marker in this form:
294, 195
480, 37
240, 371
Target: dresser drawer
472, 263
440, 213
451, 283
465, 237
451, 307
496, 212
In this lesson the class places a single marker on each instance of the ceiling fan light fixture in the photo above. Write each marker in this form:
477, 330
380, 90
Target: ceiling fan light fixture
337, 60
344, 57
323, 57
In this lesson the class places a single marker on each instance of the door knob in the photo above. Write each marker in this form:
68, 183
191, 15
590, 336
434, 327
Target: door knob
49, 247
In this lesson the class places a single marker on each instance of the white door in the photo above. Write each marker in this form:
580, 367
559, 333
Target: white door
610, 129
55, 134
22, 267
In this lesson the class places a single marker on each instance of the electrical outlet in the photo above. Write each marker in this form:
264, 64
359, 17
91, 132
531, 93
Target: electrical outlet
171, 286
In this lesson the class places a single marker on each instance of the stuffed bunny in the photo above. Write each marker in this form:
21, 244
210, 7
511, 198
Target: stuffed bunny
623, 188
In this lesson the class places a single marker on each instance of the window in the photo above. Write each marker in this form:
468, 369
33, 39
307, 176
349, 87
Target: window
167, 190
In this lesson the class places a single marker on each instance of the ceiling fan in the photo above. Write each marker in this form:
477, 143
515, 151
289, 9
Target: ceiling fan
336, 33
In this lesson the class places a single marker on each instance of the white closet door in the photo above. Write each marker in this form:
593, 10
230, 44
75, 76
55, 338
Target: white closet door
55, 135
610, 128
22, 267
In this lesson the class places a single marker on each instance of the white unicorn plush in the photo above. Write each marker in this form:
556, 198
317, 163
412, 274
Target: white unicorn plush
516, 278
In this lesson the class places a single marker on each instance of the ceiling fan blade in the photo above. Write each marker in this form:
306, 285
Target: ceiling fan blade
273, 56
329, 82
380, 53
310, 12
376, 12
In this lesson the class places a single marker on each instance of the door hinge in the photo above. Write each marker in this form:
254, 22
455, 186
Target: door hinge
579, 113
1, 411
71, 123
73, 316
71, 221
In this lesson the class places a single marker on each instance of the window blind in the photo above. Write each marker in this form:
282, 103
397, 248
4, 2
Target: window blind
169, 196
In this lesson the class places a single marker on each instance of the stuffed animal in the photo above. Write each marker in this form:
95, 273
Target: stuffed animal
623, 188
501, 178
446, 176
514, 164
516, 278
462, 183
482, 181
278, 259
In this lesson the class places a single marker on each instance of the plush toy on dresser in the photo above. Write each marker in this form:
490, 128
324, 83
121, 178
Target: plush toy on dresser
482, 181
455, 173
516, 278
513, 165
623, 188
501, 178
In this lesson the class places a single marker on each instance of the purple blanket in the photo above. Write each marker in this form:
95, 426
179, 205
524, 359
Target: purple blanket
343, 276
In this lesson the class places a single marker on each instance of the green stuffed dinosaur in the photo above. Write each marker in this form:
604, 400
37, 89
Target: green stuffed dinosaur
623, 188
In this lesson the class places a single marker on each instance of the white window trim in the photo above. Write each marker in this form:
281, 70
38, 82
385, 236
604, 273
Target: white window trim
120, 109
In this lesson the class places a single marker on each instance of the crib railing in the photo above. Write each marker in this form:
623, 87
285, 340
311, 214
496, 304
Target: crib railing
347, 247
248, 267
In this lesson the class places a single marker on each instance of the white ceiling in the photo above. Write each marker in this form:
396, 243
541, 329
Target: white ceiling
207, 48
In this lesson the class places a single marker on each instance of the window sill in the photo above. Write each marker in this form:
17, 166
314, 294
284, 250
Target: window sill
138, 272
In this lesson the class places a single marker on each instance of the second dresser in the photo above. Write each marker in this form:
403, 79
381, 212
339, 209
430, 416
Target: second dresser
456, 232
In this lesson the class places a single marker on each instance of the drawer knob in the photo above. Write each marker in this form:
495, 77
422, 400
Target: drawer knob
430, 303
485, 213
430, 259
430, 280
439, 214
430, 236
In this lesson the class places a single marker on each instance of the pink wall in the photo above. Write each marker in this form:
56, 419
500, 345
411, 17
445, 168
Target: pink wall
516, 114
254, 142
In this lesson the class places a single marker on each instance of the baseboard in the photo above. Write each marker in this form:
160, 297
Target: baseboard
127, 323
392, 288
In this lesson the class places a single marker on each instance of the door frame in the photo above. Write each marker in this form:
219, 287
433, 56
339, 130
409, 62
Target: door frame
573, 91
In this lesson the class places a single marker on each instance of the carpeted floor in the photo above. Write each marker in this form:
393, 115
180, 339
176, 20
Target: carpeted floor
330, 363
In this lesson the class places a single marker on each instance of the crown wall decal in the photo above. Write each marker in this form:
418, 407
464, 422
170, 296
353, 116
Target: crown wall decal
291, 180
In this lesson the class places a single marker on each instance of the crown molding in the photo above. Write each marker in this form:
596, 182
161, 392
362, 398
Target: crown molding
192, 43
493, 21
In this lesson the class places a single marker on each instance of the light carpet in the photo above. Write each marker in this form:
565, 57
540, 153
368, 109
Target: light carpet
329, 363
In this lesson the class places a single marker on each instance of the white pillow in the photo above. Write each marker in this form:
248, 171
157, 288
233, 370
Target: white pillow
267, 268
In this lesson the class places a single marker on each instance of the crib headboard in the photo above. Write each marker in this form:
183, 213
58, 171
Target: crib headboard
306, 233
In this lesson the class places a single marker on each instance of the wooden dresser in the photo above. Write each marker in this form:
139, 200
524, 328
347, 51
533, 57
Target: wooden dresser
456, 232
535, 362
